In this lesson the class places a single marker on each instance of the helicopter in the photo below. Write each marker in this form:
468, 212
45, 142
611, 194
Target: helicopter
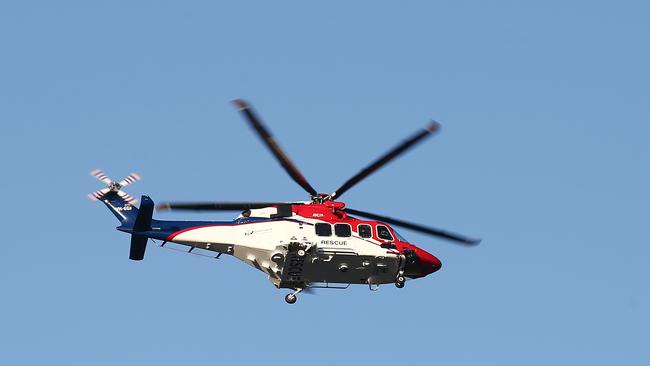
299, 245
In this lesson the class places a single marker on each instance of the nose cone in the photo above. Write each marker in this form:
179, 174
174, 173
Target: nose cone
421, 263
429, 261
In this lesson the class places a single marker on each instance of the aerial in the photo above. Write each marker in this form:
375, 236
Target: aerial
228, 112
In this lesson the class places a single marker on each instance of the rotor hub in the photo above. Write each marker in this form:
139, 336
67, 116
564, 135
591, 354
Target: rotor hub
114, 186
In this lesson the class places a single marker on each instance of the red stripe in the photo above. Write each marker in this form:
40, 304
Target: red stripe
175, 234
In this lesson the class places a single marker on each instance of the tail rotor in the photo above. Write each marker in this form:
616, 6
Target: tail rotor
114, 186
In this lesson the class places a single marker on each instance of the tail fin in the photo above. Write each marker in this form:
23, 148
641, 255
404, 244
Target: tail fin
142, 224
121, 208
136, 222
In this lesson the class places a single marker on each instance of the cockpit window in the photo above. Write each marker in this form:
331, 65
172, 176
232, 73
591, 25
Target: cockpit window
383, 233
399, 237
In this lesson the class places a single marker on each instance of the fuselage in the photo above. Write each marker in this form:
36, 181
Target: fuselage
341, 248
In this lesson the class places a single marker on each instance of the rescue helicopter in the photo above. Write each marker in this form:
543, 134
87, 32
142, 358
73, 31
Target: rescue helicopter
301, 245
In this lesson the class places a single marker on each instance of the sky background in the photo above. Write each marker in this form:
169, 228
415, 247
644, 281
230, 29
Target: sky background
545, 108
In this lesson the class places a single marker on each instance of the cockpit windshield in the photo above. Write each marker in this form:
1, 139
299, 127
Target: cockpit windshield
399, 237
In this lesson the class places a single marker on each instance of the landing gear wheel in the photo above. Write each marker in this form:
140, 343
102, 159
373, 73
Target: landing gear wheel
301, 253
399, 281
399, 284
291, 298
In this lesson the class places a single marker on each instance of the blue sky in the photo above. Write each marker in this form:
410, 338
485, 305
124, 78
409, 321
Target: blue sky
543, 153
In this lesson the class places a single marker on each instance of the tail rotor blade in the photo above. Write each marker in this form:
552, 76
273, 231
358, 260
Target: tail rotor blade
273, 146
386, 158
98, 195
131, 178
101, 176
128, 198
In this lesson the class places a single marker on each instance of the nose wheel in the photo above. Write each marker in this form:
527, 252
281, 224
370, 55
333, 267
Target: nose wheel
292, 297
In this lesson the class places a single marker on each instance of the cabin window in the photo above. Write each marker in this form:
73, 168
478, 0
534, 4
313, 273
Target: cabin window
383, 233
365, 231
323, 229
343, 230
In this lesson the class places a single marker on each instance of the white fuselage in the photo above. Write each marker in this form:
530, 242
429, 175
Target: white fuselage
330, 259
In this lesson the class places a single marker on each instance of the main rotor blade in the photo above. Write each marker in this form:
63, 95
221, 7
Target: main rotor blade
416, 227
386, 158
273, 145
216, 206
